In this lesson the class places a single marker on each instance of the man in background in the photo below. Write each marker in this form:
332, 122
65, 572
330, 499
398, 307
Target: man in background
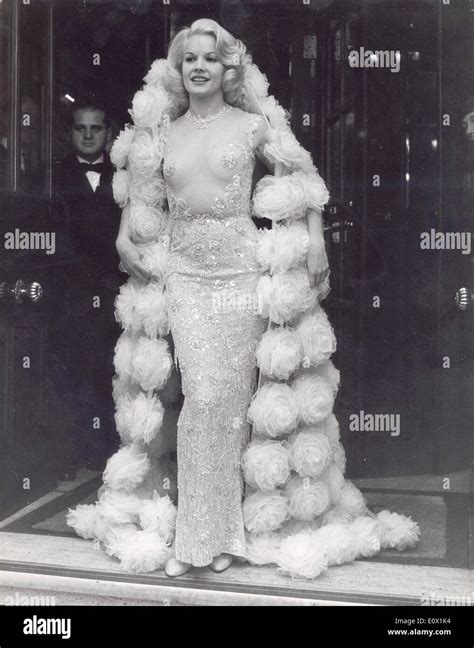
87, 328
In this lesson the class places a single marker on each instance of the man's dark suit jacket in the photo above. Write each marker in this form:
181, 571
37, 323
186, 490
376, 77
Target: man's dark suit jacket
86, 336
92, 217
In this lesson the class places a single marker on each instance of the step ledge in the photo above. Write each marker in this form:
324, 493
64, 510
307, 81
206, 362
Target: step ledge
67, 590
75, 567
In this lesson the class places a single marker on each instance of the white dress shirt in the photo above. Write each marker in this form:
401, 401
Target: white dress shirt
92, 176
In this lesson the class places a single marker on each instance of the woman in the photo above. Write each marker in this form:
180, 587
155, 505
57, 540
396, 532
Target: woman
225, 317
208, 165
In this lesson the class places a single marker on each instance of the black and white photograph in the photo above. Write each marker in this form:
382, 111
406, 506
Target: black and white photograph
236, 307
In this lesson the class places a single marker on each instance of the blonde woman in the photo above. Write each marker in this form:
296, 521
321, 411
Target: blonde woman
233, 298
208, 165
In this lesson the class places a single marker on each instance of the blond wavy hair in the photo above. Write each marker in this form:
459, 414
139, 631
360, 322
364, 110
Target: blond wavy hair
230, 51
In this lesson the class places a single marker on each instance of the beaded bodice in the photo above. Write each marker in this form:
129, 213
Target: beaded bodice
220, 241
235, 198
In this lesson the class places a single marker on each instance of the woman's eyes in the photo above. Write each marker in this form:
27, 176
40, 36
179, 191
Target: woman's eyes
190, 59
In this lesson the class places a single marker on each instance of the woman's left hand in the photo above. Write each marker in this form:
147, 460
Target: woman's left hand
317, 263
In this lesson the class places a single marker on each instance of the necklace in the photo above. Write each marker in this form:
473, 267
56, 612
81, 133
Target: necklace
203, 122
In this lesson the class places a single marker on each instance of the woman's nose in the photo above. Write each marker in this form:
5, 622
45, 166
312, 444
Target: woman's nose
200, 64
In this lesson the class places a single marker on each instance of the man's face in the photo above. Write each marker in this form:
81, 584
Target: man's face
89, 133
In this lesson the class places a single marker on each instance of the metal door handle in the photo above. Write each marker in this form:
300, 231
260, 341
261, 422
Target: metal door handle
19, 291
339, 226
464, 298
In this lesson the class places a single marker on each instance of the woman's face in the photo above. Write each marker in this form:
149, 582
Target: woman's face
202, 72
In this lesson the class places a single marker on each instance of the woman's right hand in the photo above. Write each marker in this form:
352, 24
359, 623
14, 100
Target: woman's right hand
130, 258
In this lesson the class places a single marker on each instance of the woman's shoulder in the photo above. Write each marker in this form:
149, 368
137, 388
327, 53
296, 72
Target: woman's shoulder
249, 117
257, 129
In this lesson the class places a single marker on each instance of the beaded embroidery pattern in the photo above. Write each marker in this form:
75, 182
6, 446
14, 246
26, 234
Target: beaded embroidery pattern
215, 326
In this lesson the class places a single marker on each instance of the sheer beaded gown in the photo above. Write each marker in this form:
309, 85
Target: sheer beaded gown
212, 304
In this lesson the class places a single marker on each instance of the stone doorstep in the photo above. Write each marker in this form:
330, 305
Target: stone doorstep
74, 573
67, 590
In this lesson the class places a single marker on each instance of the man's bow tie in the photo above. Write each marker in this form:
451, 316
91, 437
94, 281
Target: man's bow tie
98, 168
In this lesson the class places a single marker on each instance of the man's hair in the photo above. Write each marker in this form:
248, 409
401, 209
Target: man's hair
89, 104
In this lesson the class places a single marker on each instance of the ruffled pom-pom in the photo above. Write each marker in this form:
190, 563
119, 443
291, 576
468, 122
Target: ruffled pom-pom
329, 373
125, 303
339, 456
149, 190
123, 388
330, 428
314, 397
86, 519
121, 147
142, 552
159, 515
334, 480
123, 356
154, 257
317, 194
151, 363
126, 469
282, 247
144, 158
279, 353
365, 533
139, 306
293, 526
276, 114
262, 548
266, 465
151, 310
316, 337
273, 410
289, 196
148, 106
284, 148
352, 501
156, 73
286, 295
338, 543
308, 498
118, 508
397, 531
121, 187
139, 419
279, 198
257, 81
117, 536
310, 453
301, 555
145, 223
265, 512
